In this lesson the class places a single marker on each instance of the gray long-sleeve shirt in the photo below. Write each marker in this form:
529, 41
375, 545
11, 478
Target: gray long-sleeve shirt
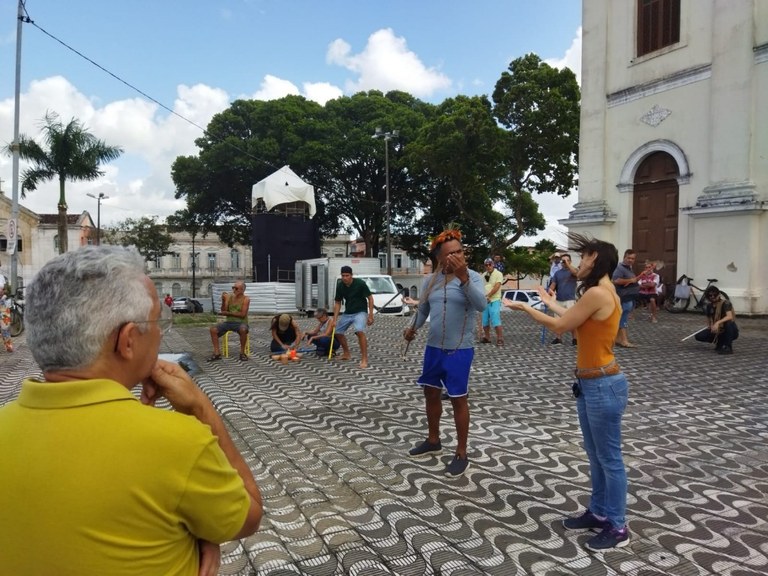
451, 308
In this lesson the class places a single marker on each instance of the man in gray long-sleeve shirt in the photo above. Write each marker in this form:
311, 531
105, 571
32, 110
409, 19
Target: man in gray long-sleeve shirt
452, 297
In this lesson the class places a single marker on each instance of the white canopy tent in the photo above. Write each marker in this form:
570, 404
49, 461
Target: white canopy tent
283, 187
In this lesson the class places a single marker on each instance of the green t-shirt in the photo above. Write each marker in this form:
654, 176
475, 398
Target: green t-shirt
354, 296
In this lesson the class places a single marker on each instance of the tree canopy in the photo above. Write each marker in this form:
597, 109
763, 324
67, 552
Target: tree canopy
474, 161
150, 238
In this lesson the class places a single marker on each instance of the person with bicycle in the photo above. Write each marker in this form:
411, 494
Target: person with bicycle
5, 317
722, 329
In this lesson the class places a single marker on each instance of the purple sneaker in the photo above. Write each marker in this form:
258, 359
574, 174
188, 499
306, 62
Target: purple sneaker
609, 539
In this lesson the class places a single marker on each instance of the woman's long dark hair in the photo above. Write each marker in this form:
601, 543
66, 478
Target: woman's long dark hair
605, 263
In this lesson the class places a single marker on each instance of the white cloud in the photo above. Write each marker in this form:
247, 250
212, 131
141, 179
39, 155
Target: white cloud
386, 64
273, 88
139, 183
571, 59
321, 92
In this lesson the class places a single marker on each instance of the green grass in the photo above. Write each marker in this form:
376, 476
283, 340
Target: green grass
198, 319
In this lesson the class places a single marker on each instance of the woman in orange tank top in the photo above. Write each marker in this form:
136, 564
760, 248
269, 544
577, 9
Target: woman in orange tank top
600, 388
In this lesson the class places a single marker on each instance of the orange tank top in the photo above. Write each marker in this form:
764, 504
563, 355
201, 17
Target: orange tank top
596, 339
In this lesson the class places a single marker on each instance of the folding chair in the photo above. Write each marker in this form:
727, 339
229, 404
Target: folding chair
225, 343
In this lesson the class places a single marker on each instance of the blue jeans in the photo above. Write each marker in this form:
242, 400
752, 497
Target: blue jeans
601, 404
323, 342
626, 309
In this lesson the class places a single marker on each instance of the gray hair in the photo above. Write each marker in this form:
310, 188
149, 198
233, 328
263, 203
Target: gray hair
78, 299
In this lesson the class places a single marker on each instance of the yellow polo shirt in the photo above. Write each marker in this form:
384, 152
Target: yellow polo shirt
92, 482
493, 278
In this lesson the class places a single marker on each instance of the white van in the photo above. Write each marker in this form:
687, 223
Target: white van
386, 297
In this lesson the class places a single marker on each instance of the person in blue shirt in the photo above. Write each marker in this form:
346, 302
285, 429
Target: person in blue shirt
563, 287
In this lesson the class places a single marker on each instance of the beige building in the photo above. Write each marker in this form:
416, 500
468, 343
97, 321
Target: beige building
38, 238
214, 262
674, 138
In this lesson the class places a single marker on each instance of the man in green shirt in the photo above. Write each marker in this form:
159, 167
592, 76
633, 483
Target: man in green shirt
357, 299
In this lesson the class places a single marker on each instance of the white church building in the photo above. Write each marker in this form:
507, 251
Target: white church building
673, 158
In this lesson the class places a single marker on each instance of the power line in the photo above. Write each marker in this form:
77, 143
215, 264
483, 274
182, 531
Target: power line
27, 20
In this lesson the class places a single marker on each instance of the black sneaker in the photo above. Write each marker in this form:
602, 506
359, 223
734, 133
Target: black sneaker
574, 342
608, 539
556, 341
586, 521
425, 449
725, 350
457, 467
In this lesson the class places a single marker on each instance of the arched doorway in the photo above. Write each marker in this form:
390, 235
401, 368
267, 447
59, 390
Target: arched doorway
655, 210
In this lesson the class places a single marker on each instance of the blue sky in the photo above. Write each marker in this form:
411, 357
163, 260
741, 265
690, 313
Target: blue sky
196, 56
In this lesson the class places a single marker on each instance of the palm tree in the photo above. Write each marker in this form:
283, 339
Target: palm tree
73, 154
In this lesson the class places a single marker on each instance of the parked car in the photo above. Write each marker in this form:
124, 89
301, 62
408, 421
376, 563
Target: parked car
530, 297
186, 305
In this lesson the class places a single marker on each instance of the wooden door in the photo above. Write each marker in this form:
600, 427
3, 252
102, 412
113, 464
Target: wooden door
655, 209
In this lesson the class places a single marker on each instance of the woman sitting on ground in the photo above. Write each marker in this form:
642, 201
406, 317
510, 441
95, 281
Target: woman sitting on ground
286, 334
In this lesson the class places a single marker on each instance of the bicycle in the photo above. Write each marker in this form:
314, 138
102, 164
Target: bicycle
16, 308
685, 290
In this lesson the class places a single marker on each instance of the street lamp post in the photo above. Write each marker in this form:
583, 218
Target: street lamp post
99, 198
387, 136
194, 265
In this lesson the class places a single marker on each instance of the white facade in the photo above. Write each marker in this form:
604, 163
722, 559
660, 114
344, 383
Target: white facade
703, 101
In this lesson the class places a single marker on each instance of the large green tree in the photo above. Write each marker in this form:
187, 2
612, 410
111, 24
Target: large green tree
241, 146
457, 160
538, 105
150, 237
70, 153
351, 172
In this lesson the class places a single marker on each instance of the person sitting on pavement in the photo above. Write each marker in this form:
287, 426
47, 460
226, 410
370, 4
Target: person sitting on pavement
722, 329
286, 334
563, 287
96, 480
322, 334
235, 307
650, 288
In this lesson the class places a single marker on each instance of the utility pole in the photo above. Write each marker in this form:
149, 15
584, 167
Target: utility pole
14, 219
99, 198
387, 136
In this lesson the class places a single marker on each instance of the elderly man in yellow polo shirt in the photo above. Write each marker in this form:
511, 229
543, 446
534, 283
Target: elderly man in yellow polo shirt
95, 480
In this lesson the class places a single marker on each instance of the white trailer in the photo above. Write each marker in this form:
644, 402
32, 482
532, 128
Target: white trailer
316, 280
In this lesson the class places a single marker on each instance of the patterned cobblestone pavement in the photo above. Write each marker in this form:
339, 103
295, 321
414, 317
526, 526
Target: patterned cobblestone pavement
327, 442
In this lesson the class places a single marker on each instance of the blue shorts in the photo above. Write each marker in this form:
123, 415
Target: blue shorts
626, 308
492, 314
224, 327
359, 320
447, 369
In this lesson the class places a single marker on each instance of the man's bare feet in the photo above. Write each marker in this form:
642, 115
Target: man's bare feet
363, 364
345, 357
